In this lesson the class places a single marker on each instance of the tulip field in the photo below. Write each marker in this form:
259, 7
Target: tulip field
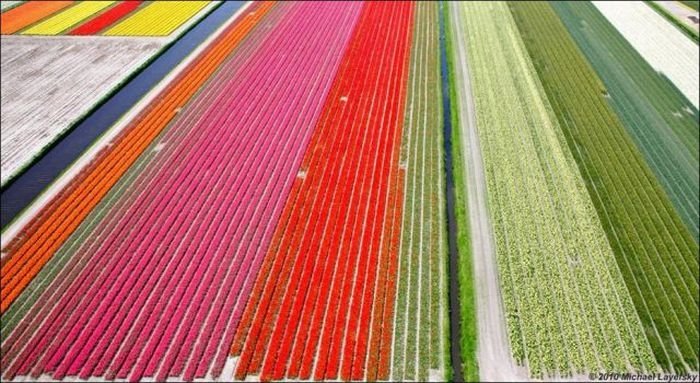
335, 309
67, 18
156, 19
83, 71
348, 191
20, 16
138, 187
422, 270
105, 19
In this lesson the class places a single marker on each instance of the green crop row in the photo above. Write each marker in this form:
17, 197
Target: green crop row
421, 312
655, 251
662, 122
567, 308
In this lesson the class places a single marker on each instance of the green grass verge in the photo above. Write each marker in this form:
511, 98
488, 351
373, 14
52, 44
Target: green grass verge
468, 341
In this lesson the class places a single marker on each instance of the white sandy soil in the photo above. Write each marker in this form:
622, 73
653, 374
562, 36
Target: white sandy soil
49, 83
663, 45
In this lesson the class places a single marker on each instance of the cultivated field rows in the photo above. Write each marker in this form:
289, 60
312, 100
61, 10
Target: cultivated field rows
654, 112
103, 21
666, 48
494, 357
545, 224
40, 75
277, 208
67, 18
655, 251
323, 307
157, 19
164, 101
30, 12
289, 130
219, 52
119, 217
112, 18
421, 301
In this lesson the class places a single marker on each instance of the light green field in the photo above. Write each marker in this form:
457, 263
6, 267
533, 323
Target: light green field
567, 307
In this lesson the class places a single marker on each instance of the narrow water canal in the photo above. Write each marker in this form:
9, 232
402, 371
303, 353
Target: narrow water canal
455, 324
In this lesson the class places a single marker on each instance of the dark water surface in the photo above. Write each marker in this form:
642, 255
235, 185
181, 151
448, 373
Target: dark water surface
455, 324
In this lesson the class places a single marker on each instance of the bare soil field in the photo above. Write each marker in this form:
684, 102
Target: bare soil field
49, 83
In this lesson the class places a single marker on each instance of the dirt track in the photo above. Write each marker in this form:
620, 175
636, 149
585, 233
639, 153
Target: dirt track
493, 350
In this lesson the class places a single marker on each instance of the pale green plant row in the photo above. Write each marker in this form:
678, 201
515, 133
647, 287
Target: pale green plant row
567, 307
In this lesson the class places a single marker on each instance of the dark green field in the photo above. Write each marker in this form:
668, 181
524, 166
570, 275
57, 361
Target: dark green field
662, 122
